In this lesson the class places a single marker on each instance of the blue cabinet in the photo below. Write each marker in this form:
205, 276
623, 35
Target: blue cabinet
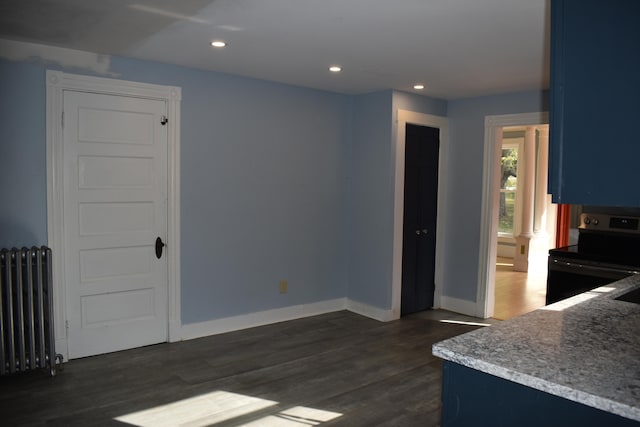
594, 153
474, 398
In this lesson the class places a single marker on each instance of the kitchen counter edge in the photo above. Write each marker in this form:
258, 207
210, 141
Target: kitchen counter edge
554, 350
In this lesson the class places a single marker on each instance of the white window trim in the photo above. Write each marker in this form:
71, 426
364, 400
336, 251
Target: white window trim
517, 214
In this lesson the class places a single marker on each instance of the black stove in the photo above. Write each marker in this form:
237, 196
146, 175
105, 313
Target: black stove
608, 249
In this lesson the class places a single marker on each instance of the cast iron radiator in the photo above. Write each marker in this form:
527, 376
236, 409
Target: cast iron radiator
26, 311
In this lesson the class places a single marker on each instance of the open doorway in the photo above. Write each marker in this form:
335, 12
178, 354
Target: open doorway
526, 221
517, 292
518, 219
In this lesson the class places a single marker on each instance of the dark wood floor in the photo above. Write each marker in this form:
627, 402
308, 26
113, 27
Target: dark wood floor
334, 369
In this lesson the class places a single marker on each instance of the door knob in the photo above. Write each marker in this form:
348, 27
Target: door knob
159, 246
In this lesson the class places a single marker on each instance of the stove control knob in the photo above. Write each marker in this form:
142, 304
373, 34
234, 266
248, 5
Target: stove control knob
595, 221
587, 220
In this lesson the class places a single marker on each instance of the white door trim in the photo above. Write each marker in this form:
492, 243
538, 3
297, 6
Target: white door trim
57, 82
485, 297
404, 117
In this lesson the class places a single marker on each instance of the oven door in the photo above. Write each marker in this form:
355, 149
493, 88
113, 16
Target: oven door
568, 277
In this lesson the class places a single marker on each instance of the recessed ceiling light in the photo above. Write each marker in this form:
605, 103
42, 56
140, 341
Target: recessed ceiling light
335, 68
218, 43
418, 87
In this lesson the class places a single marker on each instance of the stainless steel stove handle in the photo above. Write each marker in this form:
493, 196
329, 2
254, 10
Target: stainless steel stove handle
575, 265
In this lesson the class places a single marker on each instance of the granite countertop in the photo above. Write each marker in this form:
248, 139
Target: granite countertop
585, 348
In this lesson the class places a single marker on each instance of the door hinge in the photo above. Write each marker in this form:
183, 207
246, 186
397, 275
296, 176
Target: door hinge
62, 120
66, 328
164, 120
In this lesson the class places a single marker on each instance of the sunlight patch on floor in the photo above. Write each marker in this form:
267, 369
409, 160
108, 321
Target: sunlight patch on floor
570, 302
462, 322
298, 416
198, 411
219, 406
504, 264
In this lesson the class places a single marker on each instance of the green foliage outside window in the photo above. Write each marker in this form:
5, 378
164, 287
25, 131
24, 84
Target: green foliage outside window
508, 186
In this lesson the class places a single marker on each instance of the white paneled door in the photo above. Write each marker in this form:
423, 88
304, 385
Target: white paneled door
115, 207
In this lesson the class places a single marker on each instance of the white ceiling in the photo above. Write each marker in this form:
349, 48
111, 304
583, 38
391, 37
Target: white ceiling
457, 48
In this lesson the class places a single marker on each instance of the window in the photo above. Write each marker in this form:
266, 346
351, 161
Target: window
508, 190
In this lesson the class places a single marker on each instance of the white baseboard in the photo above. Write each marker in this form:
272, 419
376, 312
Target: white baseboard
235, 323
469, 308
371, 311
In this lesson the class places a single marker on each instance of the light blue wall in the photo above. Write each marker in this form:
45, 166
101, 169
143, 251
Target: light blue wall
466, 137
278, 182
372, 184
263, 195
369, 193
419, 104
23, 201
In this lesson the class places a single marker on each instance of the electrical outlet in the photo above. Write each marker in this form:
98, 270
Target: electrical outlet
283, 286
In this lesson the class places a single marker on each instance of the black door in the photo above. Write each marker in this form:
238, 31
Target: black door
420, 209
